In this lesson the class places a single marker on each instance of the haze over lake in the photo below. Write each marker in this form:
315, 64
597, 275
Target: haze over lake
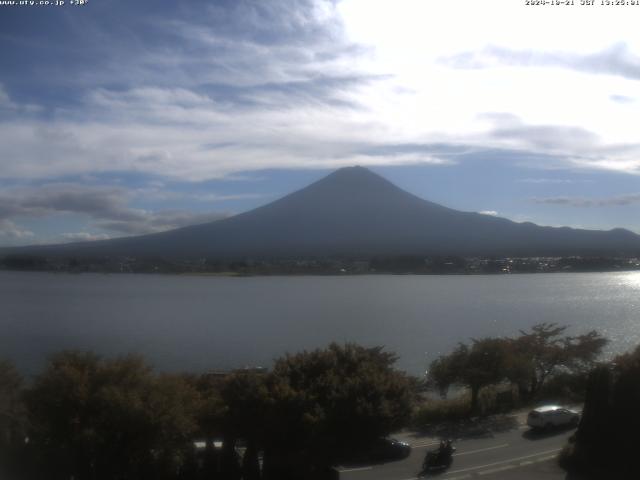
201, 323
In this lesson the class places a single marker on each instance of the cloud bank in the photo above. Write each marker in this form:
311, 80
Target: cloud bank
617, 201
106, 208
214, 90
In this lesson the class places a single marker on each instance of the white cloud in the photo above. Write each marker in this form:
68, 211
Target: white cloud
5, 101
614, 60
216, 197
84, 236
10, 231
621, 99
615, 201
106, 208
177, 135
237, 103
7, 104
523, 80
491, 213
555, 181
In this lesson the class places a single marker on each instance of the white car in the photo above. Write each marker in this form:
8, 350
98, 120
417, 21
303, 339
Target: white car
551, 416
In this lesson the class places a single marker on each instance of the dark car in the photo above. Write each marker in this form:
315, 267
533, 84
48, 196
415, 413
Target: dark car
387, 449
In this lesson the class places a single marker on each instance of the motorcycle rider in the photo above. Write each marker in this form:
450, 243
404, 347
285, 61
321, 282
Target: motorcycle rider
445, 450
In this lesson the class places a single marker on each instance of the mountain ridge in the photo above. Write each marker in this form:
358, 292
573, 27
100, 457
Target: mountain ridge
356, 212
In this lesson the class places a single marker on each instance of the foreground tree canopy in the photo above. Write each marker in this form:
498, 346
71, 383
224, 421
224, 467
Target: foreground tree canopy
94, 418
340, 398
86, 417
606, 442
527, 360
12, 415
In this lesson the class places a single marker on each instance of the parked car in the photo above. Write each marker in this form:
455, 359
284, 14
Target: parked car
550, 416
386, 449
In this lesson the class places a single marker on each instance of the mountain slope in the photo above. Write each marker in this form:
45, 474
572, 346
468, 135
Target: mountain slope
354, 211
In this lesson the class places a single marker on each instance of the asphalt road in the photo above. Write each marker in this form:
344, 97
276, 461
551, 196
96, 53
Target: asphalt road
509, 452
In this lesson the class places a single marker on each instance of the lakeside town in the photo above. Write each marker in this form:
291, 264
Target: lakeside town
404, 264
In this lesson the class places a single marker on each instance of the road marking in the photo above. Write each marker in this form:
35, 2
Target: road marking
544, 459
424, 445
497, 469
511, 460
357, 469
494, 470
459, 477
481, 450
521, 464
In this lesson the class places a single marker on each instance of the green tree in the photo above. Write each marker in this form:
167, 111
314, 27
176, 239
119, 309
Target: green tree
606, 441
528, 360
475, 366
59, 412
211, 419
328, 402
544, 350
108, 419
12, 417
443, 372
247, 399
486, 365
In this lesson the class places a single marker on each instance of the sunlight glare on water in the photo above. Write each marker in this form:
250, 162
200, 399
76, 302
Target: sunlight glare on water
631, 280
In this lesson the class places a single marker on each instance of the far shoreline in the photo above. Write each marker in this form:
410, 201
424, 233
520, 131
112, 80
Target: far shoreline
314, 275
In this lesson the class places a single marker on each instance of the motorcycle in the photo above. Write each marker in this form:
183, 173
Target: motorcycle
438, 460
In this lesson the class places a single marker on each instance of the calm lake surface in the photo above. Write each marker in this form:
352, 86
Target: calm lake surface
200, 323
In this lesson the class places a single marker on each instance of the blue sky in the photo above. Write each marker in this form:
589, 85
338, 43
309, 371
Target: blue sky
123, 117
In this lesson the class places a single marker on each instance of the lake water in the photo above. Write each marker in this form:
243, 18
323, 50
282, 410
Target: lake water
200, 323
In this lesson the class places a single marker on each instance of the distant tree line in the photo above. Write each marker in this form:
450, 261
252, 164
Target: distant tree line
526, 361
86, 417
385, 264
